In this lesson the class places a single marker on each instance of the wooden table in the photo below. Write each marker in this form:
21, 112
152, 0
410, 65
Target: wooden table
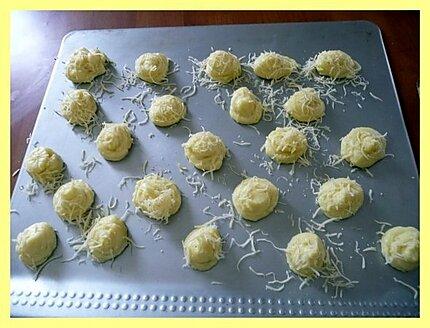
36, 38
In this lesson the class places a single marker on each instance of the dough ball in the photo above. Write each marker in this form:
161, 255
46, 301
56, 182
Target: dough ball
286, 145
305, 105
306, 254
363, 147
157, 197
79, 107
167, 110
255, 198
245, 107
44, 165
35, 244
203, 248
401, 248
205, 151
152, 67
336, 64
84, 65
114, 141
72, 200
340, 198
222, 66
107, 238
270, 65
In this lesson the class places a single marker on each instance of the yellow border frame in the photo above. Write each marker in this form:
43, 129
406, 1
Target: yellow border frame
5, 10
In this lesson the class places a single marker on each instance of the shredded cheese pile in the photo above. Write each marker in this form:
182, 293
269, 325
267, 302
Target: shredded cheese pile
270, 65
35, 244
363, 147
84, 65
205, 151
46, 167
114, 141
255, 198
167, 110
73, 200
79, 108
222, 66
340, 198
157, 197
152, 67
202, 247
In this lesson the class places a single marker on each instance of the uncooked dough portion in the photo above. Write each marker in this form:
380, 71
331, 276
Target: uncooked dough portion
152, 67
340, 198
255, 198
35, 244
45, 166
245, 107
202, 247
107, 238
305, 105
271, 65
401, 248
72, 200
84, 65
286, 145
306, 254
157, 197
167, 110
222, 66
363, 147
336, 64
79, 107
205, 151
114, 141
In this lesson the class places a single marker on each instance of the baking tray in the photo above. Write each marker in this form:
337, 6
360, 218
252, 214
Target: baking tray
153, 282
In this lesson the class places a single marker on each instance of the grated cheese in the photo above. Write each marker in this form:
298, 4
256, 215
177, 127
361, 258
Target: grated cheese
275, 289
88, 165
363, 260
271, 242
375, 97
242, 143
370, 196
123, 181
413, 289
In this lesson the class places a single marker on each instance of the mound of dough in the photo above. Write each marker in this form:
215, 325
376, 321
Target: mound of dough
340, 198
107, 238
72, 200
270, 65
205, 151
401, 248
286, 145
306, 254
305, 105
167, 110
336, 64
157, 197
255, 198
84, 65
79, 107
363, 147
152, 67
245, 107
222, 66
114, 141
45, 166
202, 247
35, 244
